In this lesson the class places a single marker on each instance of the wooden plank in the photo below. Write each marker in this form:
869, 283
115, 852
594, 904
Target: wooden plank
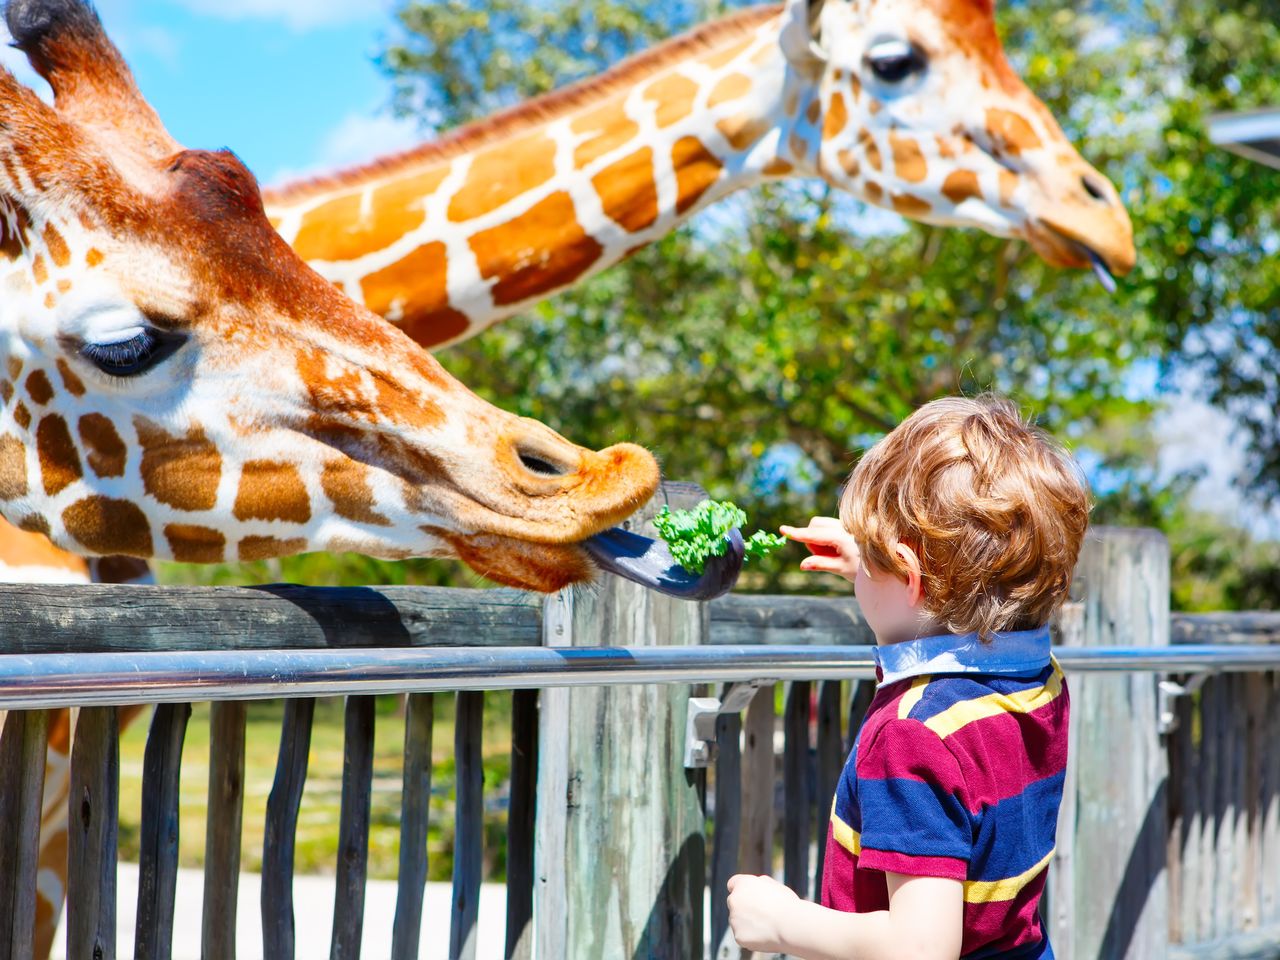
468, 843
353, 829
415, 806
1251, 945
1121, 893
158, 839
864, 691
103, 618
831, 757
621, 868
223, 829
1225, 888
1059, 904
1185, 809
1210, 738
1225, 628
797, 789
521, 824
281, 831
91, 858
756, 618
23, 747
727, 835
759, 772
1270, 868
1255, 703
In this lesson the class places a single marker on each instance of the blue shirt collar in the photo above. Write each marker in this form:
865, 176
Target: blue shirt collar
1022, 652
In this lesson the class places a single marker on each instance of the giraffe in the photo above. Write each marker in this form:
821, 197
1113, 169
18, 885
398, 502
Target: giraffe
907, 104
176, 383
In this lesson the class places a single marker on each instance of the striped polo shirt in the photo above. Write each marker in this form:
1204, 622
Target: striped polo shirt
957, 772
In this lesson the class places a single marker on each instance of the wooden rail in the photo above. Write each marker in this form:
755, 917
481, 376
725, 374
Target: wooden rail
1218, 843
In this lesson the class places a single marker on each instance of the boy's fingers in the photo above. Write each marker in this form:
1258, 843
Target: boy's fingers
827, 537
821, 564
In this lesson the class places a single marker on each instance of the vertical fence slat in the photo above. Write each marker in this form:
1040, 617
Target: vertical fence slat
95, 804
521, 824
280, 835
1255, 703
1186, 812
415, 805
223, 827
759, 770
830, 763
353, 829
1271, 806
1209, 717
1223, 892
158, 840
468, 848
798, 822
22, 763
864, 692
728, 821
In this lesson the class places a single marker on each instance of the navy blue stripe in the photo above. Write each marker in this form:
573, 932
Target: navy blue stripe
1018, 832
912, 817
945, 692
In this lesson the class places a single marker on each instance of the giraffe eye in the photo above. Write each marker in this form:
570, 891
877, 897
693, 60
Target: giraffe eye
135, 354
894, 61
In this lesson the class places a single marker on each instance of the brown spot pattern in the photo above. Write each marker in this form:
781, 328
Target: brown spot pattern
697, 168
271, 490
74, 385
39, 269
908, 159
57, 247
910, 206
419, 281
104, 525
21, 415
502, 173
337, 231
118, 569
1008, 184
674, 96
39, 388
103, 447
182, 471
192, 544
725, 56
836, 118
346, 484
849, 162
961, 185
543, 249
628, 192
268, 548
743, 130
873, 191
59, 461
13, 469
93, 258
607, 128
733, 87
34, 523
1011, 132
15, 368
777, 168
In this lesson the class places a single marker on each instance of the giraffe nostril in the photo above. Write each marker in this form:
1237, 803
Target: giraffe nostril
1093, 188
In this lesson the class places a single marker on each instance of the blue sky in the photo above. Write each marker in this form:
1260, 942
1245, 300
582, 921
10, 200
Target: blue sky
290, 85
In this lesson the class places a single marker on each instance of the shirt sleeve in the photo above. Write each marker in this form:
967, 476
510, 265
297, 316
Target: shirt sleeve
915, 819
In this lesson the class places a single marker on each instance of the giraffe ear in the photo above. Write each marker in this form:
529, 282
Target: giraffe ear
66, 44
801, 34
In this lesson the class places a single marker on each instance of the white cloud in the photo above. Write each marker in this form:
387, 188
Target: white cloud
298, 14
357, 138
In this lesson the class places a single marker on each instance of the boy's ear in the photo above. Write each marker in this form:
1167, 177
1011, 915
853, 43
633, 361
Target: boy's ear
914, 577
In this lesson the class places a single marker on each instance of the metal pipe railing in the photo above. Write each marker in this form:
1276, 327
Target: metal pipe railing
103, 679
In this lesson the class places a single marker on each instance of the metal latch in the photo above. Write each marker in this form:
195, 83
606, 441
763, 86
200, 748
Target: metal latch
700, 724
1167, 694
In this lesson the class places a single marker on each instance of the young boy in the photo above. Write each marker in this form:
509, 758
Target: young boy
959, 531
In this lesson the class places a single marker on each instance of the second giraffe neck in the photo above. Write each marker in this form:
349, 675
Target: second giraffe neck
453, 237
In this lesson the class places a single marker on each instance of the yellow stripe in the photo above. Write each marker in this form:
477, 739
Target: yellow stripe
845, 835
991, 891
966, 712
912, 697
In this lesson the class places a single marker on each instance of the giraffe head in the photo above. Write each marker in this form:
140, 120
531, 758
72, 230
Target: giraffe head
176, 383
911, 105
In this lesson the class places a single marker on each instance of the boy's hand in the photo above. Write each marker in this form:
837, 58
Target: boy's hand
758, 907
832, 547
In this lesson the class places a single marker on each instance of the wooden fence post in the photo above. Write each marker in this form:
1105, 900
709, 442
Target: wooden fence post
1110, 898
620, 851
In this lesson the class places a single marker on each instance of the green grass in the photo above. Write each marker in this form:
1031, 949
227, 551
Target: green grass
318, 821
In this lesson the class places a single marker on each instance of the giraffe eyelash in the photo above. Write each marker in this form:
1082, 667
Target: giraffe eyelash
134, 356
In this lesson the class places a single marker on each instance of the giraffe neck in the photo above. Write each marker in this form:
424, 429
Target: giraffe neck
453, 237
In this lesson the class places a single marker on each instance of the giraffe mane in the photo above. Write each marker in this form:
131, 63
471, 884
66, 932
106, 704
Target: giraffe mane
538, 110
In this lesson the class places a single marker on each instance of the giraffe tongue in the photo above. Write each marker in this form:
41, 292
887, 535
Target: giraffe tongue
1100, 270
650, 564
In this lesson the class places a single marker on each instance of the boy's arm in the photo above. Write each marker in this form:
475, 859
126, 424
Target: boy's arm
925, 921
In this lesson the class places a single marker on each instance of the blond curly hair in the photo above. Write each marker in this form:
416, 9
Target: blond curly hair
994, 507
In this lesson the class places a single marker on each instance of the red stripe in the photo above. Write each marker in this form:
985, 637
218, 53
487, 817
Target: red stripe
948, 868
1002, 755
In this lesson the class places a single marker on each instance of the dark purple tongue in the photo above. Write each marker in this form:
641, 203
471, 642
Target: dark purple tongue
650, 564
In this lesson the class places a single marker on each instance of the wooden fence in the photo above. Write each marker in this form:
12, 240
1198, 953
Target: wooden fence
1167, 838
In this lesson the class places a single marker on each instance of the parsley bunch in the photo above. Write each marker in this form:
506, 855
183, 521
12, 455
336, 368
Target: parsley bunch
695, 535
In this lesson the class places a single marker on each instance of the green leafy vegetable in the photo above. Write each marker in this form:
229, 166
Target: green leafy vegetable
693, 536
